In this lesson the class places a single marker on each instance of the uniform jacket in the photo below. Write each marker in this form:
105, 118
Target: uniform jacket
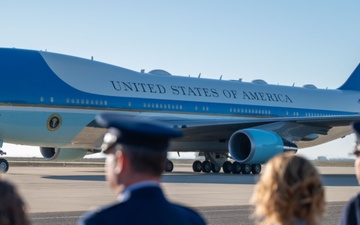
351, 212
146, 205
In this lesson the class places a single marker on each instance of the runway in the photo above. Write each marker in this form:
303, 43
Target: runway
60, 195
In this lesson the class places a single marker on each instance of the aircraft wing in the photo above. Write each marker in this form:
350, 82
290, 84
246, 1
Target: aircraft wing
304, 131
289, 128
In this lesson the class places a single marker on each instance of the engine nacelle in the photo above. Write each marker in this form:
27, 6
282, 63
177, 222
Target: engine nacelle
63, 153
254, 146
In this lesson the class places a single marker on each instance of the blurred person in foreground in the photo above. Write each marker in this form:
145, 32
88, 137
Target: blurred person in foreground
351, 211
289, 192
12, 206
136, 151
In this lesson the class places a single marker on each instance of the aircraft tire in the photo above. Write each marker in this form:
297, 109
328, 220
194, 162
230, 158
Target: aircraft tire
246, 168
236, 168
169, 166
197, 166
206, 166
215, 168
227, 167
255, 168
4, 165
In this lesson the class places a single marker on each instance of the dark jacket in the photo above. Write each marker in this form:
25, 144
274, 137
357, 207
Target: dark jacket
351, 212
146, 205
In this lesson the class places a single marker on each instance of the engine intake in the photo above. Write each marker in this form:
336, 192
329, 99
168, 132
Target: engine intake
63, 153
257, 146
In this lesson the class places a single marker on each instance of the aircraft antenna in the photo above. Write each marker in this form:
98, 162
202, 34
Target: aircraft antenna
199, 75
220, 77
92, 58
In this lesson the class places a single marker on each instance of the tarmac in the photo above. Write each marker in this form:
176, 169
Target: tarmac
60, 193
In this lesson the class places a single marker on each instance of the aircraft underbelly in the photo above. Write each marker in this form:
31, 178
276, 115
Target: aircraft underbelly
210, 146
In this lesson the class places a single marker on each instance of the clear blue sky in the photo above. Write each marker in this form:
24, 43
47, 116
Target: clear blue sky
282, 42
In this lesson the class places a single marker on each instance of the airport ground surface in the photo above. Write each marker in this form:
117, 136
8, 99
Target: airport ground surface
61, 193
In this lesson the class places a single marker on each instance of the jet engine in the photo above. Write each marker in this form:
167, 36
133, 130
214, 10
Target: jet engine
63, 153
254, 146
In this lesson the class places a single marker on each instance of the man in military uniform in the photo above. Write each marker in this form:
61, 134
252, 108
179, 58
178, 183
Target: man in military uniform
136, 151
351, 211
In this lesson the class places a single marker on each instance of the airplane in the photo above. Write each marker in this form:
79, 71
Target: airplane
51, 100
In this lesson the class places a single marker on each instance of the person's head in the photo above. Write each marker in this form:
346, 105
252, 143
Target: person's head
136, 149
12, 206
356, 152
289, 189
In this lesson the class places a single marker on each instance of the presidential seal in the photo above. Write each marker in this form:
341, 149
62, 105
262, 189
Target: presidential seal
54, 122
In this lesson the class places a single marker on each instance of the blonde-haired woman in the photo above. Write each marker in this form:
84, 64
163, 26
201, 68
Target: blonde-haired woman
289, 192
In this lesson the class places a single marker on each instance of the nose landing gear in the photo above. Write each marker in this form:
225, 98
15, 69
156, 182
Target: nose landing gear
4, 165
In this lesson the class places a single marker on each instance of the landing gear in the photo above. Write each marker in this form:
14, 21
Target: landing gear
237, 168
4, 165
168, 167
213, 163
